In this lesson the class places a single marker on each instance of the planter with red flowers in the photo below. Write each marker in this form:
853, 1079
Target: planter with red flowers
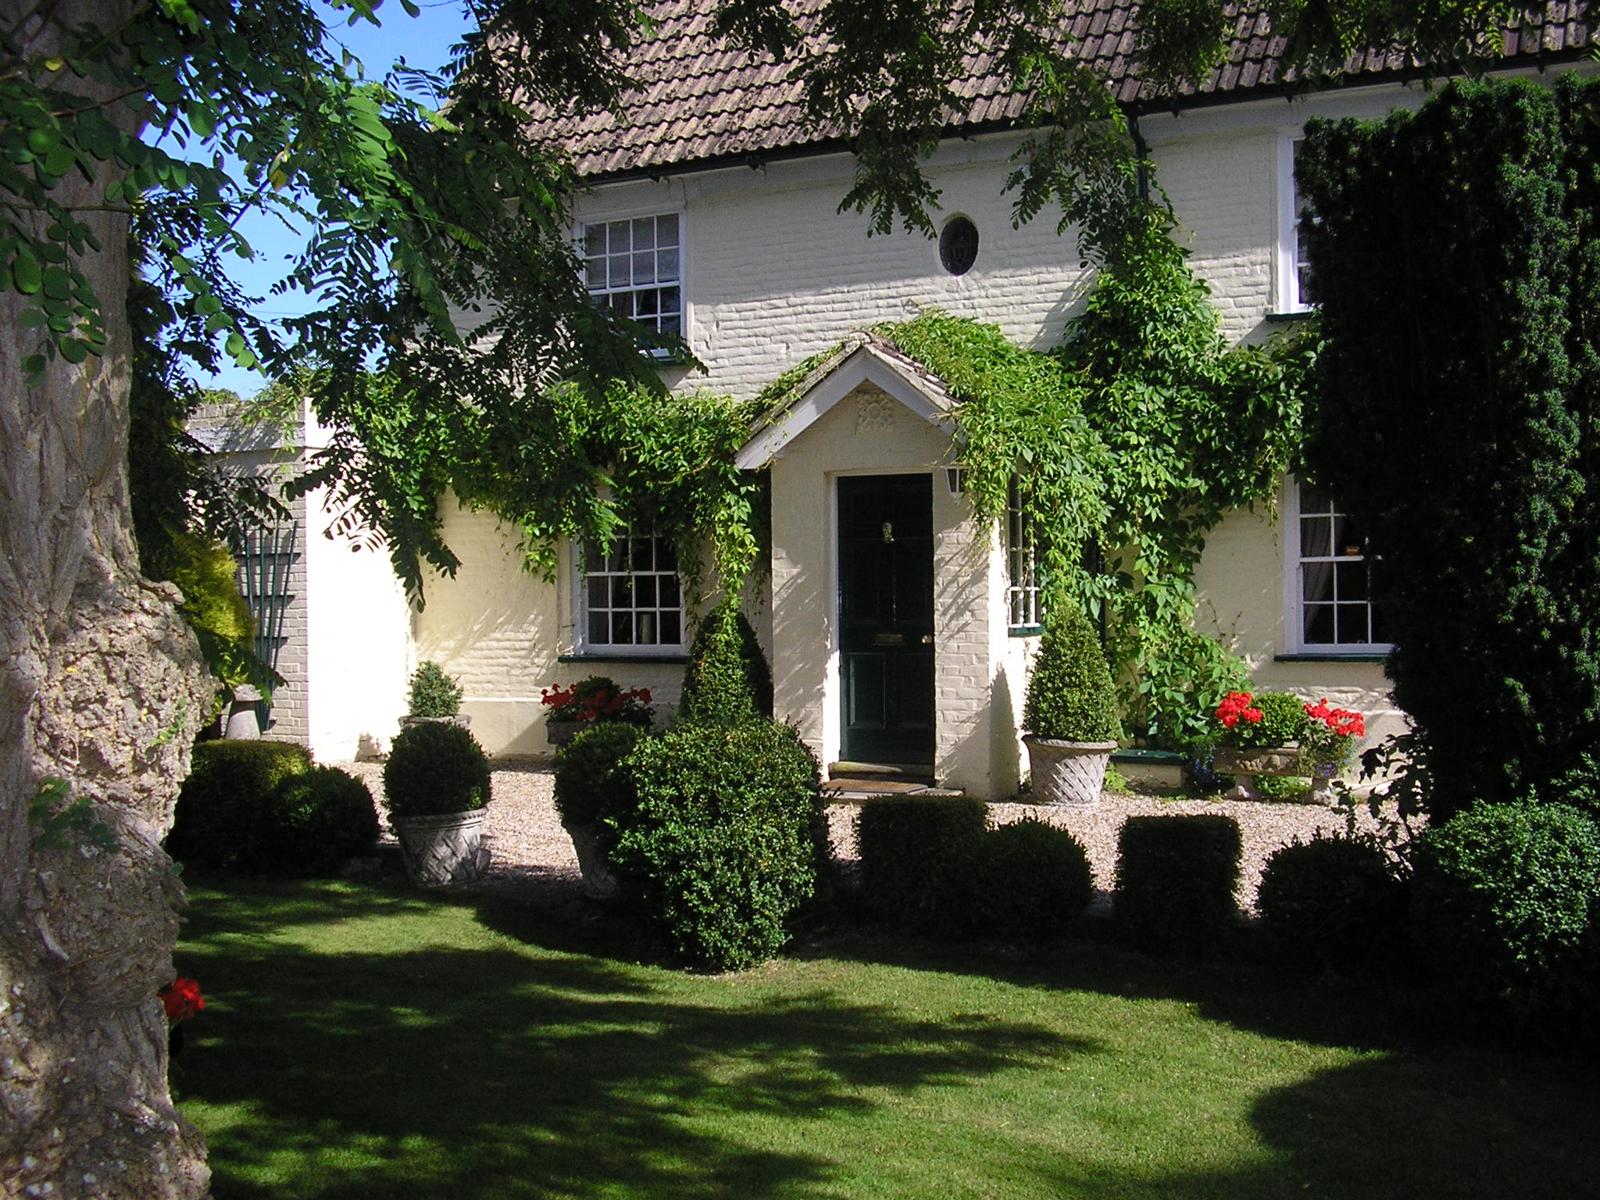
1276, 734
589, 702
180, 1000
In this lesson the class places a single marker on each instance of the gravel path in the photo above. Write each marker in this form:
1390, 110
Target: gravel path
534, 856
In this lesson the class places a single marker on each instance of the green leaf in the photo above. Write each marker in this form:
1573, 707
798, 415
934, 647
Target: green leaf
25, 271
73, 350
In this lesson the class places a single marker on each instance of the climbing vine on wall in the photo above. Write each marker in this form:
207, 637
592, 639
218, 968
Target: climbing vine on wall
1134, 437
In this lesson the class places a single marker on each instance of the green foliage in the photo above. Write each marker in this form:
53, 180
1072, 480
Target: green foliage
433, 769
224, 812
590, 787
1176, 878
316, 822
1070, 696
1457, 264
721, 846
1506, 905
919, 859
434, 693
1283, 787
1138, 435
57, 821
727, 680
1331, 903
1033, 880
1283, 722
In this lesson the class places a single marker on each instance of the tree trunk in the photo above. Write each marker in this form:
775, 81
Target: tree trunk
101, 685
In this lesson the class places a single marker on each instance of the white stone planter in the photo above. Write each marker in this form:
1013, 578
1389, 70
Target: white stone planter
1284, 761
443, 850
598, 881
1067, 773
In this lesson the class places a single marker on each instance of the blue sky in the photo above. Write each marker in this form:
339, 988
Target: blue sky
423, 41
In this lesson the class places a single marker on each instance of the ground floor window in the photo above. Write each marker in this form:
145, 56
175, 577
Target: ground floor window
1331, 607
1024, 602
630, 597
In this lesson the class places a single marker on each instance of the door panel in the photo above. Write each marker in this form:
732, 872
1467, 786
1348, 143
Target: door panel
886, 617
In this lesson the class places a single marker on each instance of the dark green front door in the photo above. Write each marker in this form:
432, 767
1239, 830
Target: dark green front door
886, 617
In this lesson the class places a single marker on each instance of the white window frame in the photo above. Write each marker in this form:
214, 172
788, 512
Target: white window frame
1294, 598
601, 218
1287, 297
583, 644
1024, 596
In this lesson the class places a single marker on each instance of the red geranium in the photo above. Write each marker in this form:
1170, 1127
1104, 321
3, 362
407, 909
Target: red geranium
182, 999
1236, 707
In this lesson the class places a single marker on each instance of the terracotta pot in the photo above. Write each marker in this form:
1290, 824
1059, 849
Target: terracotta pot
1069, 774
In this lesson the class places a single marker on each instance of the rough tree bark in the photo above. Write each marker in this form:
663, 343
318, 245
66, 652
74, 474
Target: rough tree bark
101, 685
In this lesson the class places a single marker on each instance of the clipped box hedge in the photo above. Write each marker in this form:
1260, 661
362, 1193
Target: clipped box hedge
919, 858
1176, 878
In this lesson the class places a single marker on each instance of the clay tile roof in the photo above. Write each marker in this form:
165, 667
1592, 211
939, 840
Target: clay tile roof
699, 102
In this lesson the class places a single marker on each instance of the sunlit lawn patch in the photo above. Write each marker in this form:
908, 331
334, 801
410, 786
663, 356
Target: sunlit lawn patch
361, 1042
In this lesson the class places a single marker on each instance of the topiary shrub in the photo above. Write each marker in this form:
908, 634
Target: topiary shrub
433, 692
1033, 880
1175, 883
218, 820
315, 823
1070, 696
727, 680
1283, 722
721, 845
1331, 902
435, 769
589, 787
919, 860
1505, 904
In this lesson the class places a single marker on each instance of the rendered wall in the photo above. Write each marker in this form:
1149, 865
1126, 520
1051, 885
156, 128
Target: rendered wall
503, 631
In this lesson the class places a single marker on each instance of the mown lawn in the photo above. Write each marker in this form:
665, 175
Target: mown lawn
361, 1041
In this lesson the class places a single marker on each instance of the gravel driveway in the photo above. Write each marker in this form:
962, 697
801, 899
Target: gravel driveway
532, 853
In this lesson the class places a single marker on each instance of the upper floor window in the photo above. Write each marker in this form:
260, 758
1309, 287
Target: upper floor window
1024, 604
634, 268
1331, 590
630, 599
1294, 267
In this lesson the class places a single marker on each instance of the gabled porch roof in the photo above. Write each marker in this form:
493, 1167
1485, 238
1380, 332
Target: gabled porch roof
863, 358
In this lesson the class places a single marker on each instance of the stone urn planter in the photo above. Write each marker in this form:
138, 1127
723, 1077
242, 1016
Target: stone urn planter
599, 882
1246, 766
445, 849
559, 733
1069, 774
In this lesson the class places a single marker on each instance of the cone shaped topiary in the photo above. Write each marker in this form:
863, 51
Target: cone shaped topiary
1070, 695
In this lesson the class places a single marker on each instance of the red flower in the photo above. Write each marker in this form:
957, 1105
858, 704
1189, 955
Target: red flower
182, 999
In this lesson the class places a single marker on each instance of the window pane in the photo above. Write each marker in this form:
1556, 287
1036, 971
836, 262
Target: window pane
621, 591
645, 626
596, 272
647, 303
1352, 581
1347, 540
672, 324
667, 265
592, 561
1316, 581
1313, 501
1318, 624
671, 629
617, 237
1380, 627
622, 270
598, 628
594, 239
670, 301
1352, 624
621, 629
666, 555
669, 591
597, 592
667, 229
644, 267
644, 591
1316, 539
644, 233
